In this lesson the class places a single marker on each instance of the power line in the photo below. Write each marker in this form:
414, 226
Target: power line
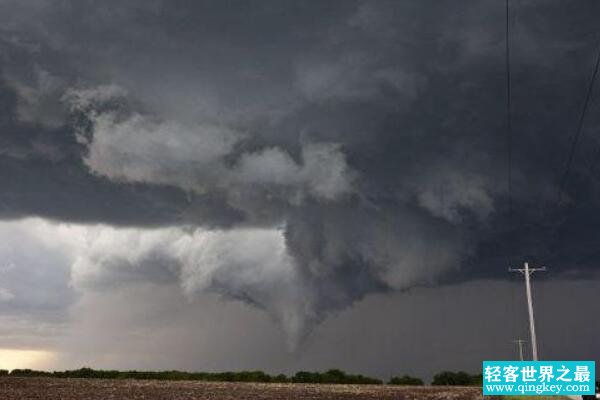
509, 161
508, 115
577, 135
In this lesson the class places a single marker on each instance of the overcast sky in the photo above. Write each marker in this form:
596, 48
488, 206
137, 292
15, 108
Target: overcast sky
287, 185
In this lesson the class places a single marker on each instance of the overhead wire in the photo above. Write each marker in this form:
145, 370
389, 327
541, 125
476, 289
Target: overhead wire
508, 113
578, 131
572, 150
509, 156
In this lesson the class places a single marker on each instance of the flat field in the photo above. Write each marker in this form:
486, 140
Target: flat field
100, 389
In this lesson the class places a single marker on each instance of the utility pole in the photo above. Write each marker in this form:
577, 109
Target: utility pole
520, 343
527, 273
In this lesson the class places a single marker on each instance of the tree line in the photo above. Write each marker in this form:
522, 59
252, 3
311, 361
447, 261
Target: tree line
332, 376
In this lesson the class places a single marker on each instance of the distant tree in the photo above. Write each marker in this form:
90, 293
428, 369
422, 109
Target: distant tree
28, 373
406, 380
306, 377
330, 376
281, 378
477, 380
460, 378
3, 372
333, 376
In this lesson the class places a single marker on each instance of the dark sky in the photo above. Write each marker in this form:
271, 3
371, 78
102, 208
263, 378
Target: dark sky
284, 185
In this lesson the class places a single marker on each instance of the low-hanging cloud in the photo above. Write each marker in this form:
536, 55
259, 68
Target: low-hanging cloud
244, 264
135, 148
298, 164
253, 265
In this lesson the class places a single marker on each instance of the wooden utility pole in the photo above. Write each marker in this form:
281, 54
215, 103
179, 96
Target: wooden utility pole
519, 343
527, 273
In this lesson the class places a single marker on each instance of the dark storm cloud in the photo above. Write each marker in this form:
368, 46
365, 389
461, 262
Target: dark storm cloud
42, 174
372, 133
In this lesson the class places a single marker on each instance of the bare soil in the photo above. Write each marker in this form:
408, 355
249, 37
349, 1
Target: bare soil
100, 389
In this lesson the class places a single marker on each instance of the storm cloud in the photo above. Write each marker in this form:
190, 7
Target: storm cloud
297, 157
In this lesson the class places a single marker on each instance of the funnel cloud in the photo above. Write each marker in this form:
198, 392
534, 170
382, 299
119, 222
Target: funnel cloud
298, 159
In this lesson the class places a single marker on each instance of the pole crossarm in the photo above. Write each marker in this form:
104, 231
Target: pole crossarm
528, 270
